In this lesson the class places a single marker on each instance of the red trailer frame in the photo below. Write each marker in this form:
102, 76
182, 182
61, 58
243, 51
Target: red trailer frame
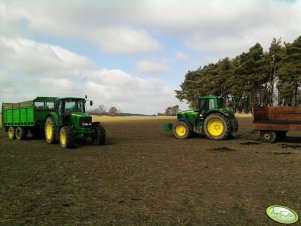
274, 122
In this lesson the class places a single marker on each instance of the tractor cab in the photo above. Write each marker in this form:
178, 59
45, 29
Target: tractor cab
207, 103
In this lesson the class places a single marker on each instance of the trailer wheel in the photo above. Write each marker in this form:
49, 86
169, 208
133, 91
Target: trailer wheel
268, 136
100, 136
21, 133
66, 137
50, 130
11, 133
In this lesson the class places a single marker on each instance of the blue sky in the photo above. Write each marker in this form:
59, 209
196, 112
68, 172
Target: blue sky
130, 54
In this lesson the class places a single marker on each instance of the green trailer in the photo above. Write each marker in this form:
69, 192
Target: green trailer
20, 118
59, 119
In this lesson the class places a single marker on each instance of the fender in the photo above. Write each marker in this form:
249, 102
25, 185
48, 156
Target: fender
95, 123
216, 111
57, 120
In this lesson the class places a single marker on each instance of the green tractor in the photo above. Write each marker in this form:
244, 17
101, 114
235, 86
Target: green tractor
60, 119
69, 121
211, 118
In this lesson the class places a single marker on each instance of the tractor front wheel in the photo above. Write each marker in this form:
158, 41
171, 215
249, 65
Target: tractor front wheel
66, 137
50, 130
181, 130
217, 126
100, 136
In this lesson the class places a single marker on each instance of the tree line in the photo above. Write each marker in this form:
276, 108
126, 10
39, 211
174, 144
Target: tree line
256, 77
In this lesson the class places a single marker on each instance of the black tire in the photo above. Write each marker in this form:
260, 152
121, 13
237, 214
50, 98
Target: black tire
217, 126
50, 130
181, 130
66, 137
281, 135
100, 135
268, 136
234, 127
11, 132
21, 133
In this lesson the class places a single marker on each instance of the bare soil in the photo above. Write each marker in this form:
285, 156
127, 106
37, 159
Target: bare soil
144, 176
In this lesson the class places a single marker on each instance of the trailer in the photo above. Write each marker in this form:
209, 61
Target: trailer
20, 118
274, 122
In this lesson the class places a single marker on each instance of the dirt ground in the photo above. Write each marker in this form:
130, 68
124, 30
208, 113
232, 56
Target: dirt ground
144, 176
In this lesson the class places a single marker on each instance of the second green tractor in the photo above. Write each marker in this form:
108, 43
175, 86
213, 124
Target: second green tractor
211, 117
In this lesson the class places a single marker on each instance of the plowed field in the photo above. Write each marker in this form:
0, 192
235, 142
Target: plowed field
144, 176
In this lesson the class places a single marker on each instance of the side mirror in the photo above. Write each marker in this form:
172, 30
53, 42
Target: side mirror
91, 103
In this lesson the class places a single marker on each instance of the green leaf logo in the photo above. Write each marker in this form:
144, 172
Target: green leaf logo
282, 214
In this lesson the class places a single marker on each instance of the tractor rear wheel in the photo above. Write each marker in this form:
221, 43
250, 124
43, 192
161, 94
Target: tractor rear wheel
100, 136
66, 137
217, 126
50, 130
181, 130
21, 133
268, 136
11, 133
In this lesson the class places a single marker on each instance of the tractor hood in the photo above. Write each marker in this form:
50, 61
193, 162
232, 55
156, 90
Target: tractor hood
187, 115
81, 119
187, 112
80, 114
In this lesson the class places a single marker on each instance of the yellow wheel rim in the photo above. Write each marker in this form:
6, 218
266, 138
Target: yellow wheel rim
181, 130
215, 127
11, 133
49, 130
63, 137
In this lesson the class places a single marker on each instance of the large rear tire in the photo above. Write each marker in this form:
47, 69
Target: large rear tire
66, 137
50, 130
217, 126
100, 136
181, 130
11, 133
21, 133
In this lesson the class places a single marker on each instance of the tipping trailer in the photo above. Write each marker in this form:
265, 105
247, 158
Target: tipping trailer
274, 122
59, 119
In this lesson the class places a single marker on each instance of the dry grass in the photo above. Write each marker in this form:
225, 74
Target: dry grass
106, 118
240, 115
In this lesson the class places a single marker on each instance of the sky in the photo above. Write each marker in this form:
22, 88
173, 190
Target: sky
131, 54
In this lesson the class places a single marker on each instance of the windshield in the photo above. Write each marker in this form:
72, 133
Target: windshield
74, 106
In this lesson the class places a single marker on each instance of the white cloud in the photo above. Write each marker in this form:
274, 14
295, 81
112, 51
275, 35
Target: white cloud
182, 57
29, 57
53, 71
216, 27
152, 66
125, 40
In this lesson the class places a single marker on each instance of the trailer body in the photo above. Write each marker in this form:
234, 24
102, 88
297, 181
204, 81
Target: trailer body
274, 122
30, 114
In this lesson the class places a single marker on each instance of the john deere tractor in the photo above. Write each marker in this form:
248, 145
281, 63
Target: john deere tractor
69, 121
211, 117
